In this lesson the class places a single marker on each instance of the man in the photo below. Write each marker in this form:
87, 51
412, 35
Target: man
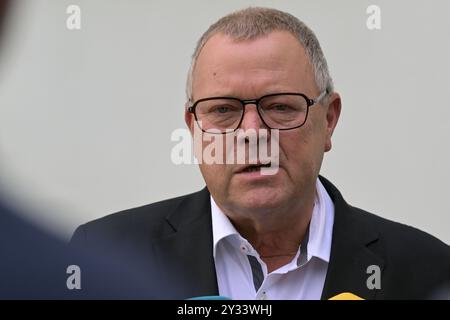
286, 235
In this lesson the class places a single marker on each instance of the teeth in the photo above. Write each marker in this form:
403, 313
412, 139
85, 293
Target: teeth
256, 167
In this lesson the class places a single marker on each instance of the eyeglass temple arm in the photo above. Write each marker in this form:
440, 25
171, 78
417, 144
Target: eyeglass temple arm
321, 96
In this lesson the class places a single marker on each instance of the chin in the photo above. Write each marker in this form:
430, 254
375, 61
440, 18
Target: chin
261, 197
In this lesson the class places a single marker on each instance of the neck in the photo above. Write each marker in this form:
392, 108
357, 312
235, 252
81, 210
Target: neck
277, 237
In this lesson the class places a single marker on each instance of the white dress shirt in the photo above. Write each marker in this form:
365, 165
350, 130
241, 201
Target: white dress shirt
239, 276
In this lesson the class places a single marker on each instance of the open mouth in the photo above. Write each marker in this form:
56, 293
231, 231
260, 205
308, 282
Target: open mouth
254, 167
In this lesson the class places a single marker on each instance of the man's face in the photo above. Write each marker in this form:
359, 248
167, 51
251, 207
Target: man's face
248, 70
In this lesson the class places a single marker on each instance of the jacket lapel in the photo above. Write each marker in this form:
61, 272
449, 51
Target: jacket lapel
350, 251
187, 248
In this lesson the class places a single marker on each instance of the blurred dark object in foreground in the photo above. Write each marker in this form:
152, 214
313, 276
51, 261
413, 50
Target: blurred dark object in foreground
33, 265
4, 6
28, 259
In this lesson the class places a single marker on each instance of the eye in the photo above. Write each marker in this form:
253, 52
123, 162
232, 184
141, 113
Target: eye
279, 107
222, 109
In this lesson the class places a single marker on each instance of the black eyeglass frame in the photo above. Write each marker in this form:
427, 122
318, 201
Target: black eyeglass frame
309, 103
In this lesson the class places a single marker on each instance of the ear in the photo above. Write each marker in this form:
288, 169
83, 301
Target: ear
333, 113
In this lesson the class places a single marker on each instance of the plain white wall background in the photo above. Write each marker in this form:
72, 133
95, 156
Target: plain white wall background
86, 116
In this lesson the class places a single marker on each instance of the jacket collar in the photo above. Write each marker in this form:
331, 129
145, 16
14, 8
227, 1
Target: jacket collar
351, 252
185, 251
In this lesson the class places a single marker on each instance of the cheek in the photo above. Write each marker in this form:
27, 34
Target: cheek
302, 150
297, 144
218, 178
216, 174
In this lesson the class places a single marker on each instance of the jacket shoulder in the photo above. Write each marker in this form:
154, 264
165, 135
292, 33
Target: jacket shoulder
397, 238
414, 260
400, 236
148, 220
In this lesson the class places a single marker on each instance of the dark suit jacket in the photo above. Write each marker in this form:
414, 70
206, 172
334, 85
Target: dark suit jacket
176, 236
33, 265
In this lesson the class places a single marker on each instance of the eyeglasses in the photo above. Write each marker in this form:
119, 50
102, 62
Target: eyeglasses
282, 111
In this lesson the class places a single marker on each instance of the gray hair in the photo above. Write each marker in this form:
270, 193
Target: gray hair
254, 22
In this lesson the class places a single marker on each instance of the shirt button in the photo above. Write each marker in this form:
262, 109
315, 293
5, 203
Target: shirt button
263, 296
244, 248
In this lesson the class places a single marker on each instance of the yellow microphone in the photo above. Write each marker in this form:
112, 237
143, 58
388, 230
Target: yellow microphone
346, 296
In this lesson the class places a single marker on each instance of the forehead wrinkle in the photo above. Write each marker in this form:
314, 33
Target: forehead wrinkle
246, 85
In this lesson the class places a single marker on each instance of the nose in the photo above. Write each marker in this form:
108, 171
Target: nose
251, 118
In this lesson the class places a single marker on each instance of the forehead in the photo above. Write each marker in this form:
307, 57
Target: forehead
274, 62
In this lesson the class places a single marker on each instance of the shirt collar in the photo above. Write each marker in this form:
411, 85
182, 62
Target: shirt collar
222, 226
320, 227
